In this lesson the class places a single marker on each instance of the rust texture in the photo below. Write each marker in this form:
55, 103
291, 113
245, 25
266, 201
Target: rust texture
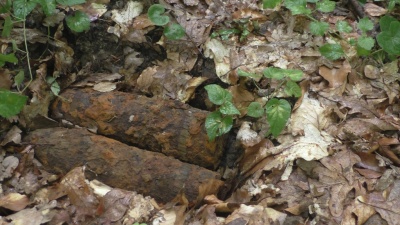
117, 164
170, 127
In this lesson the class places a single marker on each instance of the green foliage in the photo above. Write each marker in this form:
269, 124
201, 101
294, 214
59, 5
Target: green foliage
48, 6
326, 6
155, 14
11, 103
318, 28
389, 38
365, 24
7, 58
217, 94
22, 8
276, 110
79, 22
344, 27
173, 31
297, 7
70, 2
331, 51
241, 27
54, 86
221, 121
270, 4
255, 110
278, 113
7, 27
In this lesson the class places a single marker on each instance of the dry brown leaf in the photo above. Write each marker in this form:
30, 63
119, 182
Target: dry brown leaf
12, 136
5, 79
14, 201
374, 10
336, 76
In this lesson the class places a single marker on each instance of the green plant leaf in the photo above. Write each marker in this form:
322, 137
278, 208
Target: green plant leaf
217, 124
344, 27
270, 4
217, 94
7, 27
174, 31
294, 75
11, 103
8, 58
292, 89
326, 6
255, 110
6, 6
274, 73
279, 74
228, 108
385, 22
318, 28
331, 51
79, 22
278, 113
19, 78
389, 40
70, 2
155, 15
48, 6
365, 42
242, 73
54, 86
22, 8
297, 7
365, 24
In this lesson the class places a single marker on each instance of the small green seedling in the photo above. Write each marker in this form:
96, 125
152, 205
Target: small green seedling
157, 15
276, 110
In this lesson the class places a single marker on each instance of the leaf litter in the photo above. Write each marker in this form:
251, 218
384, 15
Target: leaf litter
335, 163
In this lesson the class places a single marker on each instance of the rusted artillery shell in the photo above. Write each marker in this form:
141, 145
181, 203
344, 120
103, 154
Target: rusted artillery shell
117, 164
165, 126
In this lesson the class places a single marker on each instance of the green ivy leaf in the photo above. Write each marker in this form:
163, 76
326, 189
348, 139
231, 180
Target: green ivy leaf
228, 108
48, 6
54, 86
79, 22
22, 8
217, 124
297, 7
274, 73
174, 31
278, 113
326, 6
255, 110
318, 28
8, 58
331, 51
5, 6
242, 73
155, 15
365, 42
217, 94
385, 22
344, 27
279, 74
70, 2
270, 4
19, 78
292, 89
7, 27
365, 24
11, 103
294, 75
389, 40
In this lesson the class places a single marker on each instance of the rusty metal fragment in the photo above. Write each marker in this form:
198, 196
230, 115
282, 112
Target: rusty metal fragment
117, 164
165, 126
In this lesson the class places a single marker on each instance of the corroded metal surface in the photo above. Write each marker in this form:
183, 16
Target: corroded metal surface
165, 126
117, 164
